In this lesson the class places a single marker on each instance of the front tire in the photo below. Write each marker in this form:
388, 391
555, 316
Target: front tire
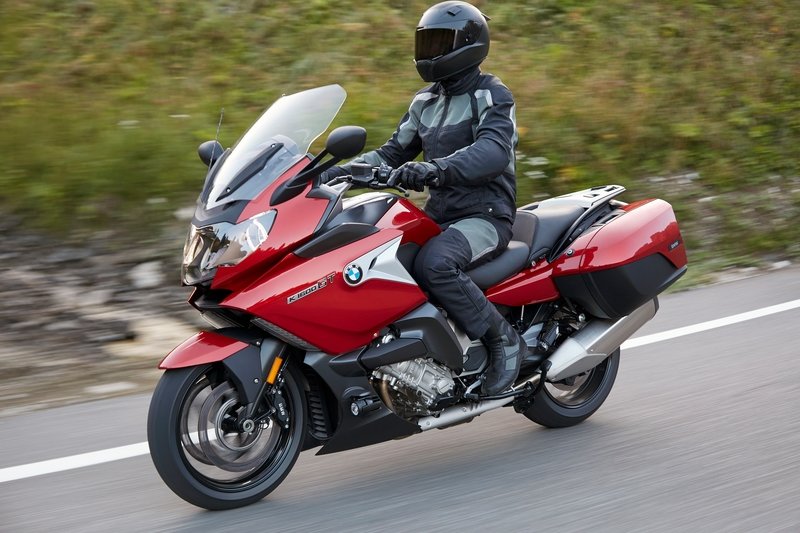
200, 452
567, 403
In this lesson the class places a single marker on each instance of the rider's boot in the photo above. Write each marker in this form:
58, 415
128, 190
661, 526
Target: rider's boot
506, 350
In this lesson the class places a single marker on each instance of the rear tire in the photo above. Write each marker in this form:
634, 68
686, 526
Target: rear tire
198, 450
561, 404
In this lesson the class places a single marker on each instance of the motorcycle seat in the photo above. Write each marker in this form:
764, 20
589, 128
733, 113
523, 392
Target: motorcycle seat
512, 260
536, 230
549, 222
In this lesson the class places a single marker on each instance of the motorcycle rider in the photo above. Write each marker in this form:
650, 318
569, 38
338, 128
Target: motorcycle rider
464, 125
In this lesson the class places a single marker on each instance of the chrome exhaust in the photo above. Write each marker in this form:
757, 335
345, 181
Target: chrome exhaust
460, 413
597, 340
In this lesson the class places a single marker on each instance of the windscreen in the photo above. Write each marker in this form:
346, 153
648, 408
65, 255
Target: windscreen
277, 140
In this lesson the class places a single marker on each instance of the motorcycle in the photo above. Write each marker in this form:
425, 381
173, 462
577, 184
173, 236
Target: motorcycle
322, 338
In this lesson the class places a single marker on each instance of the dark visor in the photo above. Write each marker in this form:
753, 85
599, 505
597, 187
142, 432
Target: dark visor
437, 42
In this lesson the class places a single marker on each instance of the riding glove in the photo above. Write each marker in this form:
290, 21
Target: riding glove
415, 176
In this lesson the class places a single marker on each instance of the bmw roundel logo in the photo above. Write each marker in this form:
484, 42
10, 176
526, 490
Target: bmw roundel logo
353, 274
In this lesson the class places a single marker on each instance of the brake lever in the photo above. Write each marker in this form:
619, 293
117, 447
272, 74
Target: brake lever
392, 182
402, 190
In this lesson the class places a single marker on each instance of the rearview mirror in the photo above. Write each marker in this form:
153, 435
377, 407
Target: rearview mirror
209, 152
346, 142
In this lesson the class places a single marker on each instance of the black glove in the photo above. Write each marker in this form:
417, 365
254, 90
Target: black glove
415, 176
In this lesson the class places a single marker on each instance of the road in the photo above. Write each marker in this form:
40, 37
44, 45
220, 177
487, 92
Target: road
701, 433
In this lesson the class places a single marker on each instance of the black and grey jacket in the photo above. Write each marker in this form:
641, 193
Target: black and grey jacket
466, 128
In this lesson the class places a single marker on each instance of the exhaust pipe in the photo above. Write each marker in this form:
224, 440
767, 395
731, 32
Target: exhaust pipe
597, 340
460, 413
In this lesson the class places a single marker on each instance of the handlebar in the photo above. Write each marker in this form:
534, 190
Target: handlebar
378, 178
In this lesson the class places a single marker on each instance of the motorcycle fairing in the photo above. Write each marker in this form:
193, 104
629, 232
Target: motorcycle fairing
416, 226
531, 286
313, 300
240, 184
294, 223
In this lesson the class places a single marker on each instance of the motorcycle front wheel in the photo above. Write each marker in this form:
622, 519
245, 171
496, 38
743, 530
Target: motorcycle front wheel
569, 402
199, 448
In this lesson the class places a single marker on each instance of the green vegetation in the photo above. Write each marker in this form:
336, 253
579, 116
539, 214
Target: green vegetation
103, 103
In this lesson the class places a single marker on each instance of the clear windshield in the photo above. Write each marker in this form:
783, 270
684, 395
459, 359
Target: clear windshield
277, 140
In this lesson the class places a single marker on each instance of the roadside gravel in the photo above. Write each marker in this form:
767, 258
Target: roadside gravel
82, 321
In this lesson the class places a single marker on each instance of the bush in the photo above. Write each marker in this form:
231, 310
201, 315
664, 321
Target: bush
103, 103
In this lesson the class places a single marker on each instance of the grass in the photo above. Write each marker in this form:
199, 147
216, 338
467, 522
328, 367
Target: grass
102, 104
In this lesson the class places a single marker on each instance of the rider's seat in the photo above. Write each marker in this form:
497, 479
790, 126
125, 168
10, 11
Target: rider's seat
511, 261
536, 230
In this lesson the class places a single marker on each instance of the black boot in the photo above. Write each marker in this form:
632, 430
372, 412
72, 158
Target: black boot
506, 350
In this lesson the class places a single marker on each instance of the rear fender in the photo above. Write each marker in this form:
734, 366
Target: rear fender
247, 358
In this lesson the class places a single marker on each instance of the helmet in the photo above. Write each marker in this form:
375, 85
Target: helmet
451, 37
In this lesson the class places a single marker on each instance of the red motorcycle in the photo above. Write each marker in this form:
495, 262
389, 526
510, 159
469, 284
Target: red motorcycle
322, 338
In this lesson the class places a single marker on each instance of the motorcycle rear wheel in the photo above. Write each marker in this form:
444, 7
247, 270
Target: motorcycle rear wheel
570, 402
198, 449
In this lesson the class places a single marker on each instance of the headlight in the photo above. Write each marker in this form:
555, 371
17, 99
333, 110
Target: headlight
222, 244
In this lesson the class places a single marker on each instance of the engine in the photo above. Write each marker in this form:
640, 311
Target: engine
412, 388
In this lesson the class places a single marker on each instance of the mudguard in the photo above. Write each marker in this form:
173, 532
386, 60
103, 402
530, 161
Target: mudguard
202, 348
246, 357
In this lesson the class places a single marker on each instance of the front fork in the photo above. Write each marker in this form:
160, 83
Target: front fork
269, 399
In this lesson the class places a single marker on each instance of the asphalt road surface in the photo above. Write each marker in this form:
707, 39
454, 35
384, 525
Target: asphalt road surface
701, 433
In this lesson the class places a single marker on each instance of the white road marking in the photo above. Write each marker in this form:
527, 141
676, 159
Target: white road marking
134, 450
73, 461
711, 324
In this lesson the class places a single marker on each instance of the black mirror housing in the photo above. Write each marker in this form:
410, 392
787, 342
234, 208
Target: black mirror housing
346, 141
209, 152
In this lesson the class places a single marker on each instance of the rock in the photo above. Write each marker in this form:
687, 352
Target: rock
96, 297
67, 255
110, 388
63, 325
105, 335
147, 275
184, 213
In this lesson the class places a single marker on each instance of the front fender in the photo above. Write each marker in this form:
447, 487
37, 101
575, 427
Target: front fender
247, 358
200, 349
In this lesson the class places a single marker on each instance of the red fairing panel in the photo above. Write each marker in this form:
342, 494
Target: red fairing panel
532, 285
648, 227
205, 347
311, 299
416, 226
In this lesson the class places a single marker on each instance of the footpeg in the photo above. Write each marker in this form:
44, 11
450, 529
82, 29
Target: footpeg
360, 406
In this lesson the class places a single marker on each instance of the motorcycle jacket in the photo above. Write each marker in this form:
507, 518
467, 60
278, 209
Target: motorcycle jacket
467, 128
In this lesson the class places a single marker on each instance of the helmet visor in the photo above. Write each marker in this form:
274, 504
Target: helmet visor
436, 42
